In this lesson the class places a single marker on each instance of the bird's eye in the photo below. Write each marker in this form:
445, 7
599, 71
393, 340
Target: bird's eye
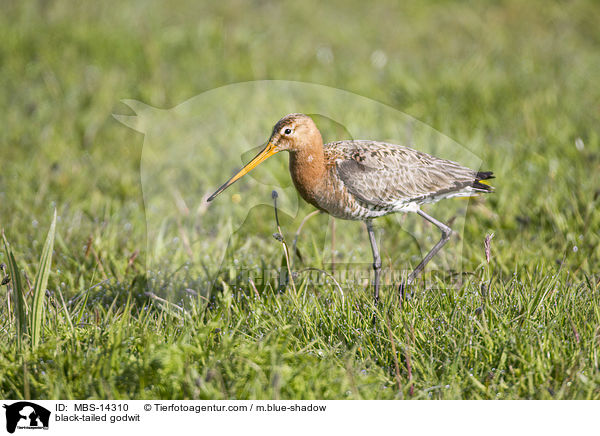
287, 131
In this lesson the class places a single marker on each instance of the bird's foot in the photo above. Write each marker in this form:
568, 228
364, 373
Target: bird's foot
374, 319
375, 304
404, 291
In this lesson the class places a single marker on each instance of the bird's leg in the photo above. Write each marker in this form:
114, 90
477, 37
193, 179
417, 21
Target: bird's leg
446, 232
376, 258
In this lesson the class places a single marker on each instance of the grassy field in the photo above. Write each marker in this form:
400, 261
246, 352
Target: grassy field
512, 81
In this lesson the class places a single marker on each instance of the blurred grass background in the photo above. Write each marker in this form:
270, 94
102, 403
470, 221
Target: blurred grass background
512, 81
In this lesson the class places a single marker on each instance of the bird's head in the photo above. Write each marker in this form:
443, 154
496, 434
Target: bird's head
292, 133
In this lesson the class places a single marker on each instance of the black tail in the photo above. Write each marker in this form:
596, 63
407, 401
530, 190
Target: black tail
483, 175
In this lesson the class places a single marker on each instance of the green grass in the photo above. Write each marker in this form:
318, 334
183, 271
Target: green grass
513, 82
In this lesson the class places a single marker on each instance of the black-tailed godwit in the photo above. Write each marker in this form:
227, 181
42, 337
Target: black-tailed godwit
363, 179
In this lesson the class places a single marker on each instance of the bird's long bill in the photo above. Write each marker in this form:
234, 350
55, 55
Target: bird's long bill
267, 152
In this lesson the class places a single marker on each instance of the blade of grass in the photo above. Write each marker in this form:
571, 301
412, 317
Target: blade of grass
18, 294
39, 287
66, 311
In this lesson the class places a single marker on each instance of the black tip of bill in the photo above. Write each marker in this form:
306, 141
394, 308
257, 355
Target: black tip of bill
218, 191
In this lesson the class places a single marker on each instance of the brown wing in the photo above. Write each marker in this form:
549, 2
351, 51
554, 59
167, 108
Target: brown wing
384, 174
